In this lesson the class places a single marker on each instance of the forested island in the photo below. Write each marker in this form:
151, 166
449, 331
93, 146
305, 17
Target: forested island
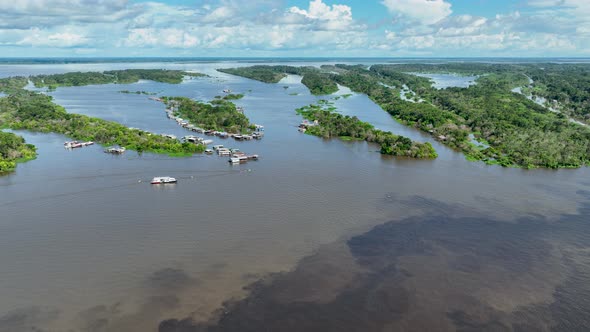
219, 114
315, 80
34, 111
233, 96
126, 76
138, 92
514, 130
331, 124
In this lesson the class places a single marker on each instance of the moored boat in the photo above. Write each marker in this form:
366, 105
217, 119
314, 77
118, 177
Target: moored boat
115, 150
76, 144
163, 180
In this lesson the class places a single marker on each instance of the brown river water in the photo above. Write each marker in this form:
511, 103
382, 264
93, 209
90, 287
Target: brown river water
318, 235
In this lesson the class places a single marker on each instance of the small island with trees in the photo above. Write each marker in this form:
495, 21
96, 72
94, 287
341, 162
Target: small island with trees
220, 114
328, 124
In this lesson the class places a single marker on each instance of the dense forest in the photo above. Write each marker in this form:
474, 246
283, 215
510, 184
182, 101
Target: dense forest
519, 132
12, 150
563, 87
317, 81
487, 121
113, 76
220, 114
331, 124
12, 84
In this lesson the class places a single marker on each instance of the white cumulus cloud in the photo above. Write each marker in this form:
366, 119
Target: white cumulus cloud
424, 11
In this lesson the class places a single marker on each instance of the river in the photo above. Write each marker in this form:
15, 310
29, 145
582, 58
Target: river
86, 244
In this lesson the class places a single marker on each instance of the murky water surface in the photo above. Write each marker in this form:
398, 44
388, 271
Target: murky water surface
86, 244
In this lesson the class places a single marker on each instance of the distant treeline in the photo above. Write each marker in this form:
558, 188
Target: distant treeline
126, 76
138, 92
315, 80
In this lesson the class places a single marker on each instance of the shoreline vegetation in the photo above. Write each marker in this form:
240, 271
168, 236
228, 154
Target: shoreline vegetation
220, 114
14, 149
331, 124
35, 111
516, 131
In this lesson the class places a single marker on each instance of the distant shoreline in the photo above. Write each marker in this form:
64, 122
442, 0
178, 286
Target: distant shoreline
74, 60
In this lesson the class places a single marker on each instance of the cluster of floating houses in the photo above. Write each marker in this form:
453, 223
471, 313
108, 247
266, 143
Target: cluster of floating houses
235, 155
76, 144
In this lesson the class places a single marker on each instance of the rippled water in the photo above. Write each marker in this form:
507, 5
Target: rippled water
86, 244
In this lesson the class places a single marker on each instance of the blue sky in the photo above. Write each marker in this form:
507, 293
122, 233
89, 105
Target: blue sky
333, 28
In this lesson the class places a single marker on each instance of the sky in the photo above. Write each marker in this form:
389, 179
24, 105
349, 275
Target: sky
294, 28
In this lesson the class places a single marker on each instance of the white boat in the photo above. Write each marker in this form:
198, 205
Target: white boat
234, 160
207, 141
163, 180
208, 151
76, 144
226, 90
115, 150
223, 152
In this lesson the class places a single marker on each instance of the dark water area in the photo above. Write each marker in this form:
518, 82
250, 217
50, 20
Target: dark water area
315, 226
447, 270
